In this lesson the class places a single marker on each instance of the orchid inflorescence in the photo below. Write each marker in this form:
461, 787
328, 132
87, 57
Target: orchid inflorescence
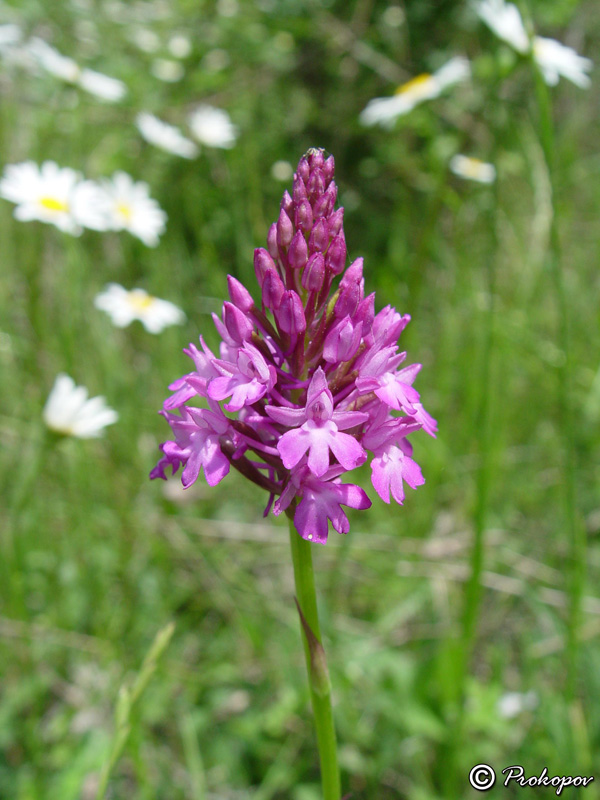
310, 380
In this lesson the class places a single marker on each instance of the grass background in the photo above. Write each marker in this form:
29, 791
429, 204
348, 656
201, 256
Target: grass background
96, 559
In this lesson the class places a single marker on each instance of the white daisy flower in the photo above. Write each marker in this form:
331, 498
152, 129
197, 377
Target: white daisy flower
554, 59
167, 70
511, 704
10, 36
53, 194
145, 39
165, 136
472, 169
102, 86
128, 206
384, 110
124, 307
69, 411
180, 46
504, 19
557, 60
282, 171
213, 127
52, 61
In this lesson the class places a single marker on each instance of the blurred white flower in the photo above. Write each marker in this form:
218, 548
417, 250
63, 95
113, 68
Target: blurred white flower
384, 110
556, 60
472, 169
167, 70
52, 61
12, 49
282, 170
165, 136
125, 306
69, 411
102, 86
180, 46
10, 36
128, 206
504, 19
53, 194
145, 40
553, 58
213, 127
511, 704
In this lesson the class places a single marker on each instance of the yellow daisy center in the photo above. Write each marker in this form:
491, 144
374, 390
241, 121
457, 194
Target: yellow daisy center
420, 82
125, 211
52, 204
141, 301
472, 166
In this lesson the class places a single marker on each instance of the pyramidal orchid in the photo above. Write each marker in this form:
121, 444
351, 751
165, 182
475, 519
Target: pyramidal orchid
308, 383
310, 380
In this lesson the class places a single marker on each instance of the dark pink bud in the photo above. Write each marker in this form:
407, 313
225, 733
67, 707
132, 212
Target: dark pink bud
304, 216
262, 262
316, 184
342, 341
319, 236
351, 290
272, 290
237, 323
286, 203
303, 170
316, 158
285, 229
335, 257
324, 205
314, 273
272, 241
365, 312
354, 274
299, 190
298, 252
290, 314
329, 169
240, 296
336, 220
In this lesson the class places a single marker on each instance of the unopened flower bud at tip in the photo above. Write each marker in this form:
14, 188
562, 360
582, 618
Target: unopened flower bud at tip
262, 262
272, 290
298, 251
319, 236
335, 257
290, 314
336, 220
314, 273
303, 170
240, 296
329, 169
272, 241
287, 203
304, 216
237, 323
316, 184
285, 230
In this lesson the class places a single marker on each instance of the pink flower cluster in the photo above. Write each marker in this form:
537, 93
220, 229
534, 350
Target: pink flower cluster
311, 380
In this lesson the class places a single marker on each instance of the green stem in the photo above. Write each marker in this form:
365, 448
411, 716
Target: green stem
320, 690
575, 531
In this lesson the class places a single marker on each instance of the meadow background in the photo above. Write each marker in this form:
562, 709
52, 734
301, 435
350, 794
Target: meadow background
96, 559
